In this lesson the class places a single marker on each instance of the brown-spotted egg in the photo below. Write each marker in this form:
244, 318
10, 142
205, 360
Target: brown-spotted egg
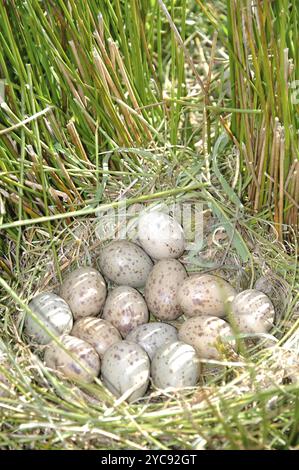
161, 289
252, 312
100, 333
153, 335
277, 290
126, 369
82, 365
205, 294
125, 308
53, 312
160, 235
85, 291
125, 263
207, 335
175, 365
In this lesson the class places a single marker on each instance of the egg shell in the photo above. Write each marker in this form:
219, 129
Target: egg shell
126, 366
175, 365
161, 289
205, 333
153, 335
160, 235
205, 294
277, 290
100, 333
53, 312
252, 312
125, 308
85, 291
125, 263
88, 365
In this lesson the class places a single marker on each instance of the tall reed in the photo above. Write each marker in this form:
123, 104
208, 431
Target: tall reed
264, 64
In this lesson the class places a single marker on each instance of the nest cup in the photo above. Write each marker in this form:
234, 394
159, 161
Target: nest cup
79, 245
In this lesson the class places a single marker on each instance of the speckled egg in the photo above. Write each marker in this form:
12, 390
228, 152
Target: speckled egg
252, 312
161, 289
277, 290
85, 291
125, 263
53, 312
208, 335
175, 365
125, 308
153, 335
126, 367
160, 235
88, 365
205, 294
100, 333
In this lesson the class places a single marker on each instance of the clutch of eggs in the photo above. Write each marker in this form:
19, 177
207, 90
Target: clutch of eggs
122, 334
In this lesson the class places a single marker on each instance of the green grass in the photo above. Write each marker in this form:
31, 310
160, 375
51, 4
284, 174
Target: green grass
157, 101
264, 67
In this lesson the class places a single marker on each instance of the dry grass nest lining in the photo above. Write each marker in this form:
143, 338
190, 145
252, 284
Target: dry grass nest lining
268, 362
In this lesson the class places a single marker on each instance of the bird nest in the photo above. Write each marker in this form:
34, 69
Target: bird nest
38, 403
